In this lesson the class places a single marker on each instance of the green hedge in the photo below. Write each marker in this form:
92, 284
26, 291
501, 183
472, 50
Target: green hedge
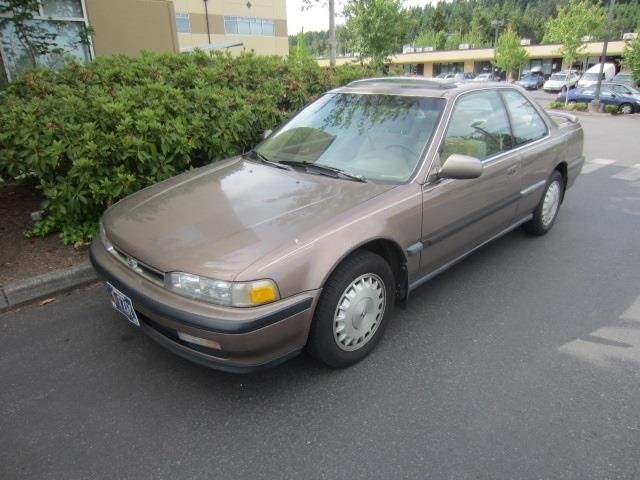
580, 106
88, 135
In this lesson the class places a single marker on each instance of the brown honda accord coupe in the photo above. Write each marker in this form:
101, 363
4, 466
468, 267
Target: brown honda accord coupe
311, 239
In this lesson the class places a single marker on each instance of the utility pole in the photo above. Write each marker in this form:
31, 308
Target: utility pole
332, 33
206, 16
596, 105
497, 24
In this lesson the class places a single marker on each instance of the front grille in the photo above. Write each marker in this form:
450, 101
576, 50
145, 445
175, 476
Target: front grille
141, 268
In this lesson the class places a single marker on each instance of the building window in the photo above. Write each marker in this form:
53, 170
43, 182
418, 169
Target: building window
249, 26
62, 8
65, 20
183, 23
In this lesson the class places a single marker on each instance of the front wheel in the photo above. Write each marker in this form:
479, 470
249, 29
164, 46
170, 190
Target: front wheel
625, 108
544, 216
353, 310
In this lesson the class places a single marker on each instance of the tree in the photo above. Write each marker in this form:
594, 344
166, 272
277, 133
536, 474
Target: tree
509, 53
378, 27
429, 38
573, 21
33, 36
631, 58
301, 51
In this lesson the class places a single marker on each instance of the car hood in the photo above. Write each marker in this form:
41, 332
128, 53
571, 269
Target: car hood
218, 220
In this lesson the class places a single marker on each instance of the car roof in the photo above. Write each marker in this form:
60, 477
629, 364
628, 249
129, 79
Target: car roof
414, 86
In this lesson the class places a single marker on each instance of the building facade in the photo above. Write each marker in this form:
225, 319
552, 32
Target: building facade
478, 60
260, 25
129, 26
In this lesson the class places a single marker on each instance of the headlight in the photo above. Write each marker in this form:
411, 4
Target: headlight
232, 294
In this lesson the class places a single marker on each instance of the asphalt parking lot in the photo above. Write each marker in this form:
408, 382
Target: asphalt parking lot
522, 362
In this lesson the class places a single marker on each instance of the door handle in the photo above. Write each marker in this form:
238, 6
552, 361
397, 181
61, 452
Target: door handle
513, 169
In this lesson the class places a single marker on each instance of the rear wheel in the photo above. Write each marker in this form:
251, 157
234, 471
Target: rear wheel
544, 216
353, 310
625, 108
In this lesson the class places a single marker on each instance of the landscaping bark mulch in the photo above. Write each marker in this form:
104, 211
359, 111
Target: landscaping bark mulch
22, 257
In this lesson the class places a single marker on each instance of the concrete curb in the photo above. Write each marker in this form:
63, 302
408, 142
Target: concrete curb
25, 291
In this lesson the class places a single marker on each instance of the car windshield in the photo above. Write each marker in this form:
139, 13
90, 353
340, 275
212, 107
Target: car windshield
378, 137
558, 76
530, 76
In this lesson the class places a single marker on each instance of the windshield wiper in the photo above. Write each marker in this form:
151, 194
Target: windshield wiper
334, 172
265, 160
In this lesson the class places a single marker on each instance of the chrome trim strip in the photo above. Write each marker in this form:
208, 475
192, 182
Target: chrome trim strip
441, 269
533, 188
140, 268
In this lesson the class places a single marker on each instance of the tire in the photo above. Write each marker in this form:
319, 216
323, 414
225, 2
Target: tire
563, 90
543, 219
365, 270
625, 109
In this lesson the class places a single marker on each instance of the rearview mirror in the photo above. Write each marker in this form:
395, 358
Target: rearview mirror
460, 167
266, 133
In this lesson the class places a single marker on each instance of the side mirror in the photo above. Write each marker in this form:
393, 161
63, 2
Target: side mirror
266, 133
460, 167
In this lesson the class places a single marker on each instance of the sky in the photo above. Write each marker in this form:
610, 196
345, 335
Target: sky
317, 18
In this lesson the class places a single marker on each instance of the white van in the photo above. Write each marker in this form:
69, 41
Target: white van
590, 77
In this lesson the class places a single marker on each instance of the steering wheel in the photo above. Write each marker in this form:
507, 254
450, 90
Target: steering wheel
407, 160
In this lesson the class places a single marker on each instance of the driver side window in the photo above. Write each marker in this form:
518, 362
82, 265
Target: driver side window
478, 127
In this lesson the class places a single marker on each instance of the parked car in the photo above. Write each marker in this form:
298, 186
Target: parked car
590, 77
625, 98
486, 77
624, 78
463, 77
312, 238
559, 82
531, 81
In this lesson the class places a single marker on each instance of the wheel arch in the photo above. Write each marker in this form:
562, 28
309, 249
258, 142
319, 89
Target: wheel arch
391, 252
563, 168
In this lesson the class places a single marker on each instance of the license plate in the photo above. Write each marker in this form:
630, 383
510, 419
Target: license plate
122, 304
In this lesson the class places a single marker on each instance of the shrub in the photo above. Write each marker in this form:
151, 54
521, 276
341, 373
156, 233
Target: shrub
89, 135
581, 107
557, 105
612, 109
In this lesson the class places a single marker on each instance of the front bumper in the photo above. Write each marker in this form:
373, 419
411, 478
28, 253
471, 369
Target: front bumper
250, 338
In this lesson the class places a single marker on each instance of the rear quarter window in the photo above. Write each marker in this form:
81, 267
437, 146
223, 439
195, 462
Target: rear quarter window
526, 123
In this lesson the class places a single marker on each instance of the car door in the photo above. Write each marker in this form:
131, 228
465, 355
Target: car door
460, 214
607, 96
535, 148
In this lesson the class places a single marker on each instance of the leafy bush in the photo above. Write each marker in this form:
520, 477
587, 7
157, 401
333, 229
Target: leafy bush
89, 135
612, 109
557, 105
581, 107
